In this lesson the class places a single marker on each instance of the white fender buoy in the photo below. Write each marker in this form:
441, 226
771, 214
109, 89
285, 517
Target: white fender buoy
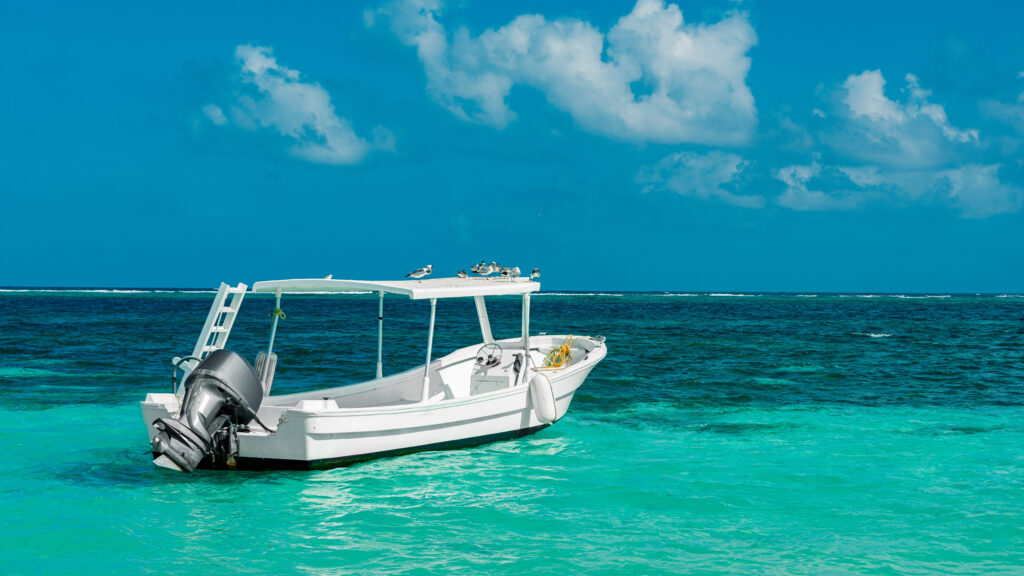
543, 398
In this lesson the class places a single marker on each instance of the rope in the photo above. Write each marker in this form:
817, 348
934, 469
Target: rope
559, 357
278, 313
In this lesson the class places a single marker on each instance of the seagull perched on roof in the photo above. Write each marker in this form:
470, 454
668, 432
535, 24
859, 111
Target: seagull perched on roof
535, 274
478, 268
421, 272
462, 274
515, 272
485, 269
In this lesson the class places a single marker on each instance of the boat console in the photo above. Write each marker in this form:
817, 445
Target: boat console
494, 369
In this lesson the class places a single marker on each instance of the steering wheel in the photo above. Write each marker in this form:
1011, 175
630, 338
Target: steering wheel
489, 355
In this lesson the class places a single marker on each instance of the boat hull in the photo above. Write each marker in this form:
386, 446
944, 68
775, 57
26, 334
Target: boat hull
318, 440
251, 463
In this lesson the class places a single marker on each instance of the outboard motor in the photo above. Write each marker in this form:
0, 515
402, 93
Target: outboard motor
222, 393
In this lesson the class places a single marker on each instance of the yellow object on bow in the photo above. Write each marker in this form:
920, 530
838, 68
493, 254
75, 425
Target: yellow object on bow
559, 357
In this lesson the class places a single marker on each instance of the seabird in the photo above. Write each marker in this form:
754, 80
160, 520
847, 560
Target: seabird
535, 274
329, 276
421, 272
515, 272
477, 268
495, 267
462, 274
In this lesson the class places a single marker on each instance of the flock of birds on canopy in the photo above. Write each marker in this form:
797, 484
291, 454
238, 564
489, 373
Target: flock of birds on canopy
482, 269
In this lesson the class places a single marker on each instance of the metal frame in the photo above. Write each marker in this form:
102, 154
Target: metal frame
445, 287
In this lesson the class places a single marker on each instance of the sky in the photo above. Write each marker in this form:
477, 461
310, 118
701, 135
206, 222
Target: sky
649, 145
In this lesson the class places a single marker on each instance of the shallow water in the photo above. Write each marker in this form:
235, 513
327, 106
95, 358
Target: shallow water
759, 434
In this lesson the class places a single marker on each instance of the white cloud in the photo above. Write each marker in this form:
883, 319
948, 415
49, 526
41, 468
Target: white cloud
799, 196
876, 129
1012, 114
975, 190
700, 175
903, 151
919, 105
978, 192
653, 77
865, 97
877, 149
863, 176
215, 114
297, 109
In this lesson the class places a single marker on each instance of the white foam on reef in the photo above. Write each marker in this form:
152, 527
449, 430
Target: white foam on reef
577, 294
733, 295
806, 295
1010, 296
330, 292
101, 291
119, 291
873, 334
906, 297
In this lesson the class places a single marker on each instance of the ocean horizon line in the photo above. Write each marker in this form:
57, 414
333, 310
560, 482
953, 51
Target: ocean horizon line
553, 292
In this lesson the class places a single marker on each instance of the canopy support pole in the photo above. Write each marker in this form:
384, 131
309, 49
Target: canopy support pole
380, 336
485, 323
526, 329
430, 348
277, 316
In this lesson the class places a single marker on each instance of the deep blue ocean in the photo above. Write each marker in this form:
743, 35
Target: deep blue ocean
749, 434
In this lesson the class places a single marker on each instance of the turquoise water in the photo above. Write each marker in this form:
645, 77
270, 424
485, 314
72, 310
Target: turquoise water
770, 434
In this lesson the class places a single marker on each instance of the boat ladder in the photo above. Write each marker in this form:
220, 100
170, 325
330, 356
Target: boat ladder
217, 328
220, 319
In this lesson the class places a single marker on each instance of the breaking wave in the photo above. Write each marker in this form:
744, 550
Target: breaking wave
581, 294
101, 291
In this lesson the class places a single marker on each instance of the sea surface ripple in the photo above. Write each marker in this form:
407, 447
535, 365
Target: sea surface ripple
764, 434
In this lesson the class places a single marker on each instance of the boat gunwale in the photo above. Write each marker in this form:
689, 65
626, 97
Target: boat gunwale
520, 388
418, 406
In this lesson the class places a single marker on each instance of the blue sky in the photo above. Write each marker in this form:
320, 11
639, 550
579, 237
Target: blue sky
810, 146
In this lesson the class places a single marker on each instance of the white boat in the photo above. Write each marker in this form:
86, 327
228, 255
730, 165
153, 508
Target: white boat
222, 415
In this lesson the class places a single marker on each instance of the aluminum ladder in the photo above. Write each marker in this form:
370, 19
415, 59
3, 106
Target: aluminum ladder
220, 320
216, 330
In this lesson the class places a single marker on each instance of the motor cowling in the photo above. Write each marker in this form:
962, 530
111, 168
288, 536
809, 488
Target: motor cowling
222, 393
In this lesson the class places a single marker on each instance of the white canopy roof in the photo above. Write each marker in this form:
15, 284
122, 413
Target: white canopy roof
414, 289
